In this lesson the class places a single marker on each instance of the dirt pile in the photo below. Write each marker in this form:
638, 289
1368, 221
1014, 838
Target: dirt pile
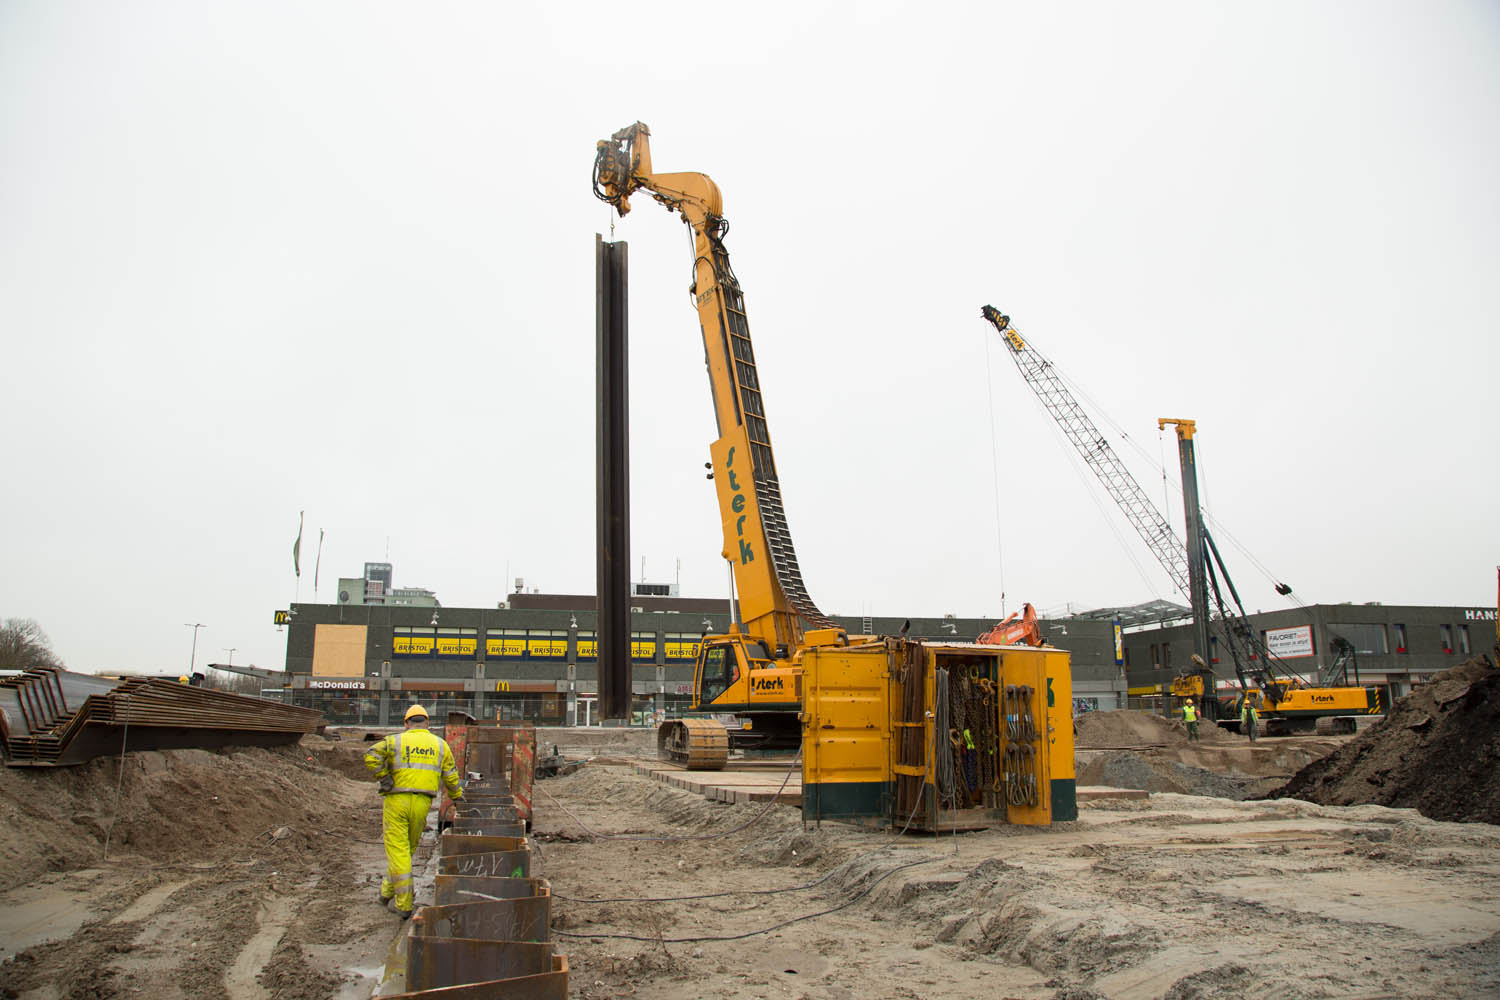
170, 803
1128, 769
1437, 752
243, 873
1129, 728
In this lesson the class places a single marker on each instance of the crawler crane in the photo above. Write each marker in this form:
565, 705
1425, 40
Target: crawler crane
1287, 703
748, 672
927, 735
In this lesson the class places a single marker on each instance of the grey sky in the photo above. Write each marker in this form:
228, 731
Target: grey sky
258, 258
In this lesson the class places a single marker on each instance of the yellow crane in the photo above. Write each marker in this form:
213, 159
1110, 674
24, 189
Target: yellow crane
939, 734
747, 671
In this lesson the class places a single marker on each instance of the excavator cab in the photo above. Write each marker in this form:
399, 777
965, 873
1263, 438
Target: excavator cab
718, 670
736, 674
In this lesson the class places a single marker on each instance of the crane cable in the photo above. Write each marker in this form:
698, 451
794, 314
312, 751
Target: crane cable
1090, 485
1161, 466
989, 382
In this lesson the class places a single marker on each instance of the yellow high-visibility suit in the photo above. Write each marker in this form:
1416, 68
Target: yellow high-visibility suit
417, 762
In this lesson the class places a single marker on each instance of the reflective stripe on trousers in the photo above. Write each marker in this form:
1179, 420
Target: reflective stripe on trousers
403, 817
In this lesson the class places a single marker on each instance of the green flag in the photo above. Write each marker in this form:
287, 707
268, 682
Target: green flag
297, 547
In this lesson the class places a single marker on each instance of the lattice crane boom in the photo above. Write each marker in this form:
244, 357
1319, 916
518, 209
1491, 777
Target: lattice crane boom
1101, 459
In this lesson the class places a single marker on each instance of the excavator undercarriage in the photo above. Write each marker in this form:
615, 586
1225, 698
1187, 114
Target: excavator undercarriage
696, 744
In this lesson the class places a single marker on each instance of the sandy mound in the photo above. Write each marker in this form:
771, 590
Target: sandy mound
1436, 752
1130, 728
1128, 769
172, 803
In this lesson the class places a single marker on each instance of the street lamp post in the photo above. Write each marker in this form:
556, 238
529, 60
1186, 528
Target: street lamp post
193, 656
230, 650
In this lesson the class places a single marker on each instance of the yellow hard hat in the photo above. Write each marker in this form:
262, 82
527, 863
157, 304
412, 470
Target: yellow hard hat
416, 711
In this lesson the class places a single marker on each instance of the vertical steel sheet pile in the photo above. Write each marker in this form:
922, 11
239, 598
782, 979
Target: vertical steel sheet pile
488, 933
54, 717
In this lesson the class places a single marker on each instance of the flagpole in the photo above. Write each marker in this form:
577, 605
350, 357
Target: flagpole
317, 565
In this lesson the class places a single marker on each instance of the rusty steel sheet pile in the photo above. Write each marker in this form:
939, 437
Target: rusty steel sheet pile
502, 755
488, 933
54, 717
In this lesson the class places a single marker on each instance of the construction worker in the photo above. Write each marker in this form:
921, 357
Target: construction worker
409, 766
1249, 717
1190, 716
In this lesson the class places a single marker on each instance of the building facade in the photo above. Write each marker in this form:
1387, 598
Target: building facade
1390, 647
536, 656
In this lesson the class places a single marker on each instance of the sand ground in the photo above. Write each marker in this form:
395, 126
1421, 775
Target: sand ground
253, 875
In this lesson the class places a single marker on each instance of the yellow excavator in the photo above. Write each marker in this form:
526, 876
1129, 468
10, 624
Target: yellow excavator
750, 672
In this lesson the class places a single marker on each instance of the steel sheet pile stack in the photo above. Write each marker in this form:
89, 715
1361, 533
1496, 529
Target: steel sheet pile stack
488, 934
53, 717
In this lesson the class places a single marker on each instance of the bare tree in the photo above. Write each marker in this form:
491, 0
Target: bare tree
23, 645
235, 683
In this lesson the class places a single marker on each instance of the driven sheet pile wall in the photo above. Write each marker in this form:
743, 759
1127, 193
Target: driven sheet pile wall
930, 736
488, 934
503, 756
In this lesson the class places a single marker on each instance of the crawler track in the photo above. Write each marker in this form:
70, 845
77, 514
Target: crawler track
696, 744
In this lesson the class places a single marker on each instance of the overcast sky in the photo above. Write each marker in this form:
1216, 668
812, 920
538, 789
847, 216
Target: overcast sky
259, 258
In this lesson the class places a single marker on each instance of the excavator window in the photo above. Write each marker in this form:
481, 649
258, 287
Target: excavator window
720, 670
757, 651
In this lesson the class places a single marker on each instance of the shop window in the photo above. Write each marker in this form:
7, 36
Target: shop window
1367, 639
1213, 649
1445, 632
546, 644
505, 643
643, 647
1155, 656
1463, 639
1399, 635
683, 646
457, 643
412, 642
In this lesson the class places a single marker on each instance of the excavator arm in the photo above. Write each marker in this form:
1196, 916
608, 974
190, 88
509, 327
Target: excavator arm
774, 604
1021, 627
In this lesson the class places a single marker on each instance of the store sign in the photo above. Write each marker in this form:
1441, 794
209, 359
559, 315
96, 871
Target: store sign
1479, 615
510, 646
285, 618
679, 650
337, 685
1289, 643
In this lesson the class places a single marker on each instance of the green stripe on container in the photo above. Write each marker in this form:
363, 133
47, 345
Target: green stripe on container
1064, 799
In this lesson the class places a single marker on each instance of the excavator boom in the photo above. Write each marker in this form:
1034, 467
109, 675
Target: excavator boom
773, 601
1020, 628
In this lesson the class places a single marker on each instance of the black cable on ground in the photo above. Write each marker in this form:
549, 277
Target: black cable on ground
764, 930
716, 895
688, 836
